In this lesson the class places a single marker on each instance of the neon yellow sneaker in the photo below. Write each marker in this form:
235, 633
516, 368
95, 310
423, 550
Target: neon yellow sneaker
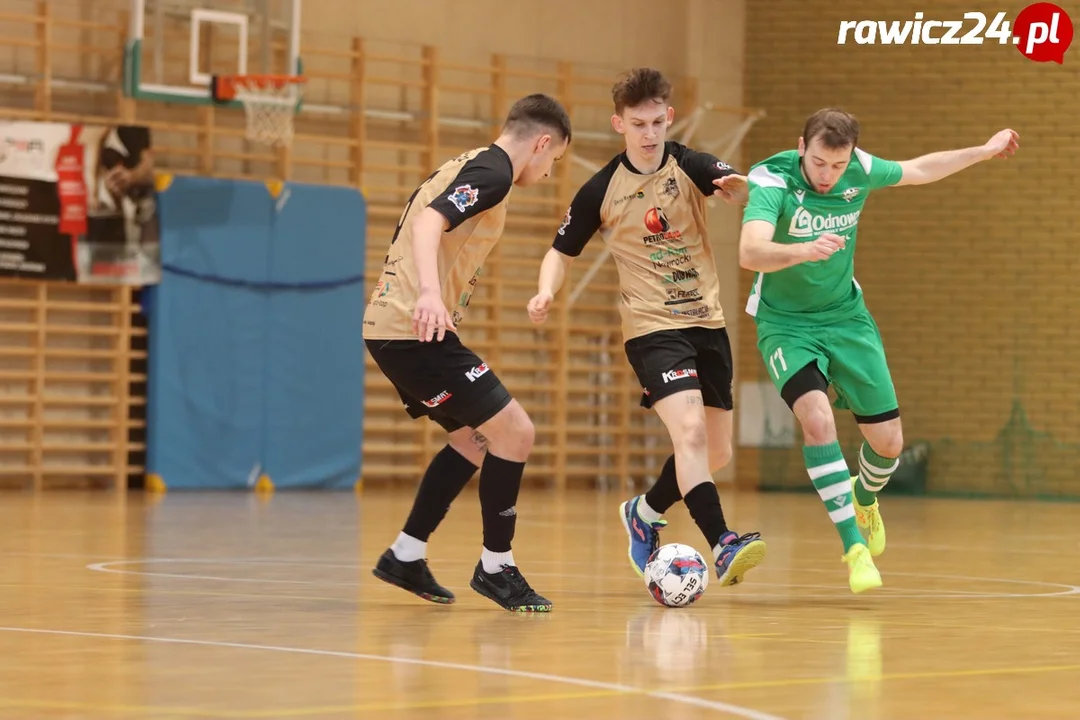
862, 575
869, 519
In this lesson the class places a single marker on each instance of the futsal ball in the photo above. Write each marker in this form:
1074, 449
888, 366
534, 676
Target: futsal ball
676, 575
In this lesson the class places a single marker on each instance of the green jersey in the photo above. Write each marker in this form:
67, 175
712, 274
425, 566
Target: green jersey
823, 291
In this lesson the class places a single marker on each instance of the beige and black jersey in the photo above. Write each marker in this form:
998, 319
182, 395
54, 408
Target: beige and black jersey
656, 228
470, 191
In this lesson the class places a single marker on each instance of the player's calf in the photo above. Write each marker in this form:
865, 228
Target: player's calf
868, 518
510, 434
879, 456
642, 516
878, 460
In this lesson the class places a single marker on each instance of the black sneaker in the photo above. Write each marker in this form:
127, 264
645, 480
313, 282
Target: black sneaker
412, 576
509, 589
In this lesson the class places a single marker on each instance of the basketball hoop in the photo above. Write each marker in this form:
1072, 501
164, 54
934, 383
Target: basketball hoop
270, 103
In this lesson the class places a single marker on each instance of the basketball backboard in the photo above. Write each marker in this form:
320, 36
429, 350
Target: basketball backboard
175, 47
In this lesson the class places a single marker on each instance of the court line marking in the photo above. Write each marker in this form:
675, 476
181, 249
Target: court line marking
320, 710
896, 593
144, 710
716, 705
884, 677
180, 593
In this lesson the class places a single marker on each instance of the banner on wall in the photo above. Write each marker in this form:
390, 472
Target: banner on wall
78, 203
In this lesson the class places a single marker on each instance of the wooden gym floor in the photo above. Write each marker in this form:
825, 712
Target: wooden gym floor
232, 606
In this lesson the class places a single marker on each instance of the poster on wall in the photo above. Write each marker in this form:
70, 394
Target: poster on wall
77, 203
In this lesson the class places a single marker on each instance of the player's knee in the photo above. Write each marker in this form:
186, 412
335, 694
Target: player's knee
520, 431
691, 436
470, 444
719, 456
889, 445
511, 433
818, 425
526, 433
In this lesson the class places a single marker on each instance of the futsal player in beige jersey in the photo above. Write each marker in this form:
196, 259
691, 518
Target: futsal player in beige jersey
445, 233
648, 204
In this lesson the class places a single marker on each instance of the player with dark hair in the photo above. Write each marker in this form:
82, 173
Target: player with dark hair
648, 204
813, 327
445, 233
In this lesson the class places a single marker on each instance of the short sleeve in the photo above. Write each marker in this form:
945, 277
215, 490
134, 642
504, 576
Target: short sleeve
767, 192
701, 167
582, 218
882, 173
482, 183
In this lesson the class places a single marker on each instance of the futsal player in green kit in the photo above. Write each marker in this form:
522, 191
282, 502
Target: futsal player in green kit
813, 327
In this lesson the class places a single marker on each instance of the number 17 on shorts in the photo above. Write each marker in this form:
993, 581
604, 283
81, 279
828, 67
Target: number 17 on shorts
785, 354
777, 363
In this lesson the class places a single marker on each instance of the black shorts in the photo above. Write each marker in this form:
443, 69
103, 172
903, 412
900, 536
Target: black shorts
670, 361
444, 381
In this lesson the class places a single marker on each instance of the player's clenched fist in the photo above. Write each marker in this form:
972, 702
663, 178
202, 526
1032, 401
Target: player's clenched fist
539, 307
1003, 144
825, 246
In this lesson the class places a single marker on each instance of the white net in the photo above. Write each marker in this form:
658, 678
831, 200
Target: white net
270, 109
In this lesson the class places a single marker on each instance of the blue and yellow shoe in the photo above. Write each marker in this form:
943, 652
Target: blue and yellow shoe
738, 553
644, 536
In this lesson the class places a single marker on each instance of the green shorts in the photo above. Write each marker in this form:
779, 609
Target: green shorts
850, 354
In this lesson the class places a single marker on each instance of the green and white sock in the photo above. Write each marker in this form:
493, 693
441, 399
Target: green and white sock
874, 472
832, 480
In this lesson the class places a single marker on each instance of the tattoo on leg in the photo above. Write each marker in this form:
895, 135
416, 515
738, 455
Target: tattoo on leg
479, 441
694, 400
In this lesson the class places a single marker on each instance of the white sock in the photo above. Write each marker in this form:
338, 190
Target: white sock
493, 561
408, 549
647, 513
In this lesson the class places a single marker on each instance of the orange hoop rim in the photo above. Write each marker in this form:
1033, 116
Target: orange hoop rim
223, 88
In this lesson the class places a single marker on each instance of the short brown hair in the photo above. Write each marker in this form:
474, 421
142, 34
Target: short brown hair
532, 112
639, 85
836, 128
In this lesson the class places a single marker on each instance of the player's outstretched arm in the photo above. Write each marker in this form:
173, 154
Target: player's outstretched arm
430, 318
552, 274
759, 253
936, 166
712, 176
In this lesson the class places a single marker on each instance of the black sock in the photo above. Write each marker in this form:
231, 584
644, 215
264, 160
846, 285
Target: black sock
665, 491
444, 479
500, 481
703, 502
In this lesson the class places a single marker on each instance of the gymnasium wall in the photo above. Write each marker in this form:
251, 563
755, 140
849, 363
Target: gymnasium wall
970, 279
699, 39
387, 102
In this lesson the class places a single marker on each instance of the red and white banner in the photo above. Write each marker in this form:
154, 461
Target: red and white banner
77, 203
